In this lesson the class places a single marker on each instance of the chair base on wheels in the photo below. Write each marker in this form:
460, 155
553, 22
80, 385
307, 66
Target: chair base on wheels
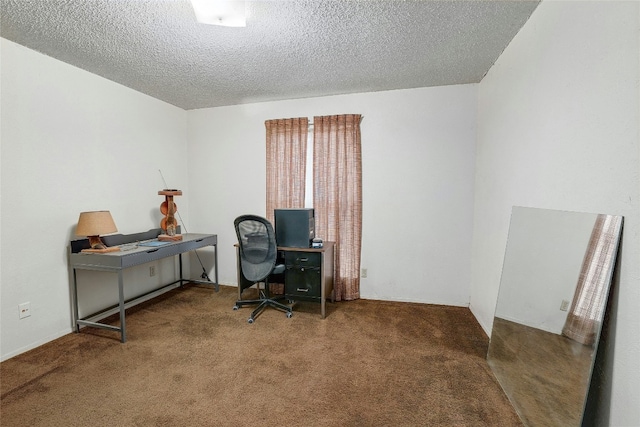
262, 304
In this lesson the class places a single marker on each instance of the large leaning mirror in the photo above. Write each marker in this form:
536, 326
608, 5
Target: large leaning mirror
553, 293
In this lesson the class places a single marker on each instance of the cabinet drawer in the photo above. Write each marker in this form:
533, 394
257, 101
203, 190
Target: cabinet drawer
302, 259
302, 283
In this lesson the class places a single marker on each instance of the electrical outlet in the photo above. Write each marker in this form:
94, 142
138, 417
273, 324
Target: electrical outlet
152, 271
24, 309
564, 305
363, 273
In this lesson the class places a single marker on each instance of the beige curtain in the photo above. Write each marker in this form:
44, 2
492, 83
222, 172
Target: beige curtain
589, 301
337, 197
286, 163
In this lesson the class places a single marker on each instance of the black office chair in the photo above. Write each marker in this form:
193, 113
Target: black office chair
258, 252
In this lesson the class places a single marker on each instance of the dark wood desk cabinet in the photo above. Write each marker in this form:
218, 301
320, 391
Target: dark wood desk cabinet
308, 274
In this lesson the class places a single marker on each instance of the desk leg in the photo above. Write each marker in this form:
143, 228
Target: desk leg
215, 268
216, 285
75, 302
123, 329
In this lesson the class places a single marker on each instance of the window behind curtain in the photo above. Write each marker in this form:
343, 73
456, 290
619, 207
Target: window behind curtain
336, 183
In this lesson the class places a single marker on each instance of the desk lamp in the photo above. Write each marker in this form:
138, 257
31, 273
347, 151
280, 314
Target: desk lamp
92, 225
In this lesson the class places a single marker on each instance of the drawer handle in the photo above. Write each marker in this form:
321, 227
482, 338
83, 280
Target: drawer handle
152, 250
303, 259
302, 290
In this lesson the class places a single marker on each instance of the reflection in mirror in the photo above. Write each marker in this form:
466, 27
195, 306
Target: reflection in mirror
553, 293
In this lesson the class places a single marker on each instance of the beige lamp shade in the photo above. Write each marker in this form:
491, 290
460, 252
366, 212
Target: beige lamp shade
95, 223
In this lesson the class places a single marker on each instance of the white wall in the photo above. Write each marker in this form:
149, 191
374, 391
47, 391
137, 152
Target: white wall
558, 128
418, 167
71, 142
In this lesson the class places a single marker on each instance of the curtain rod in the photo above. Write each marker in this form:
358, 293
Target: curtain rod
311, 123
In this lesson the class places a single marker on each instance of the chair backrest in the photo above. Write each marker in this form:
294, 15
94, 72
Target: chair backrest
258, 249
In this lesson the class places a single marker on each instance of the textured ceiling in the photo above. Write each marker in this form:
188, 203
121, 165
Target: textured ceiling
289, 49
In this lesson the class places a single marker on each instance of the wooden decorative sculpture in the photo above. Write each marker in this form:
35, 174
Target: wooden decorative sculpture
168, 208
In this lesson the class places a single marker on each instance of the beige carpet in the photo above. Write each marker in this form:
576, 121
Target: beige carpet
190, 360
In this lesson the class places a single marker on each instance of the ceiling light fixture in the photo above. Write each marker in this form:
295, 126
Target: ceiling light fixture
228, 13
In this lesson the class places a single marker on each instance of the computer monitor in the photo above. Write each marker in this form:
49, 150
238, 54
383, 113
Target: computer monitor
295, 228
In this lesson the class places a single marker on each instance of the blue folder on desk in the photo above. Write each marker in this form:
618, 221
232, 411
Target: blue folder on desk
153, 243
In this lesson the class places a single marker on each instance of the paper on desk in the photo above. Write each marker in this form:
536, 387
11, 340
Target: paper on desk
153, 243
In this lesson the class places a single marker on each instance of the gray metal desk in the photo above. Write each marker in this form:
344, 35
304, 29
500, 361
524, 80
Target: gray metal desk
118, 261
